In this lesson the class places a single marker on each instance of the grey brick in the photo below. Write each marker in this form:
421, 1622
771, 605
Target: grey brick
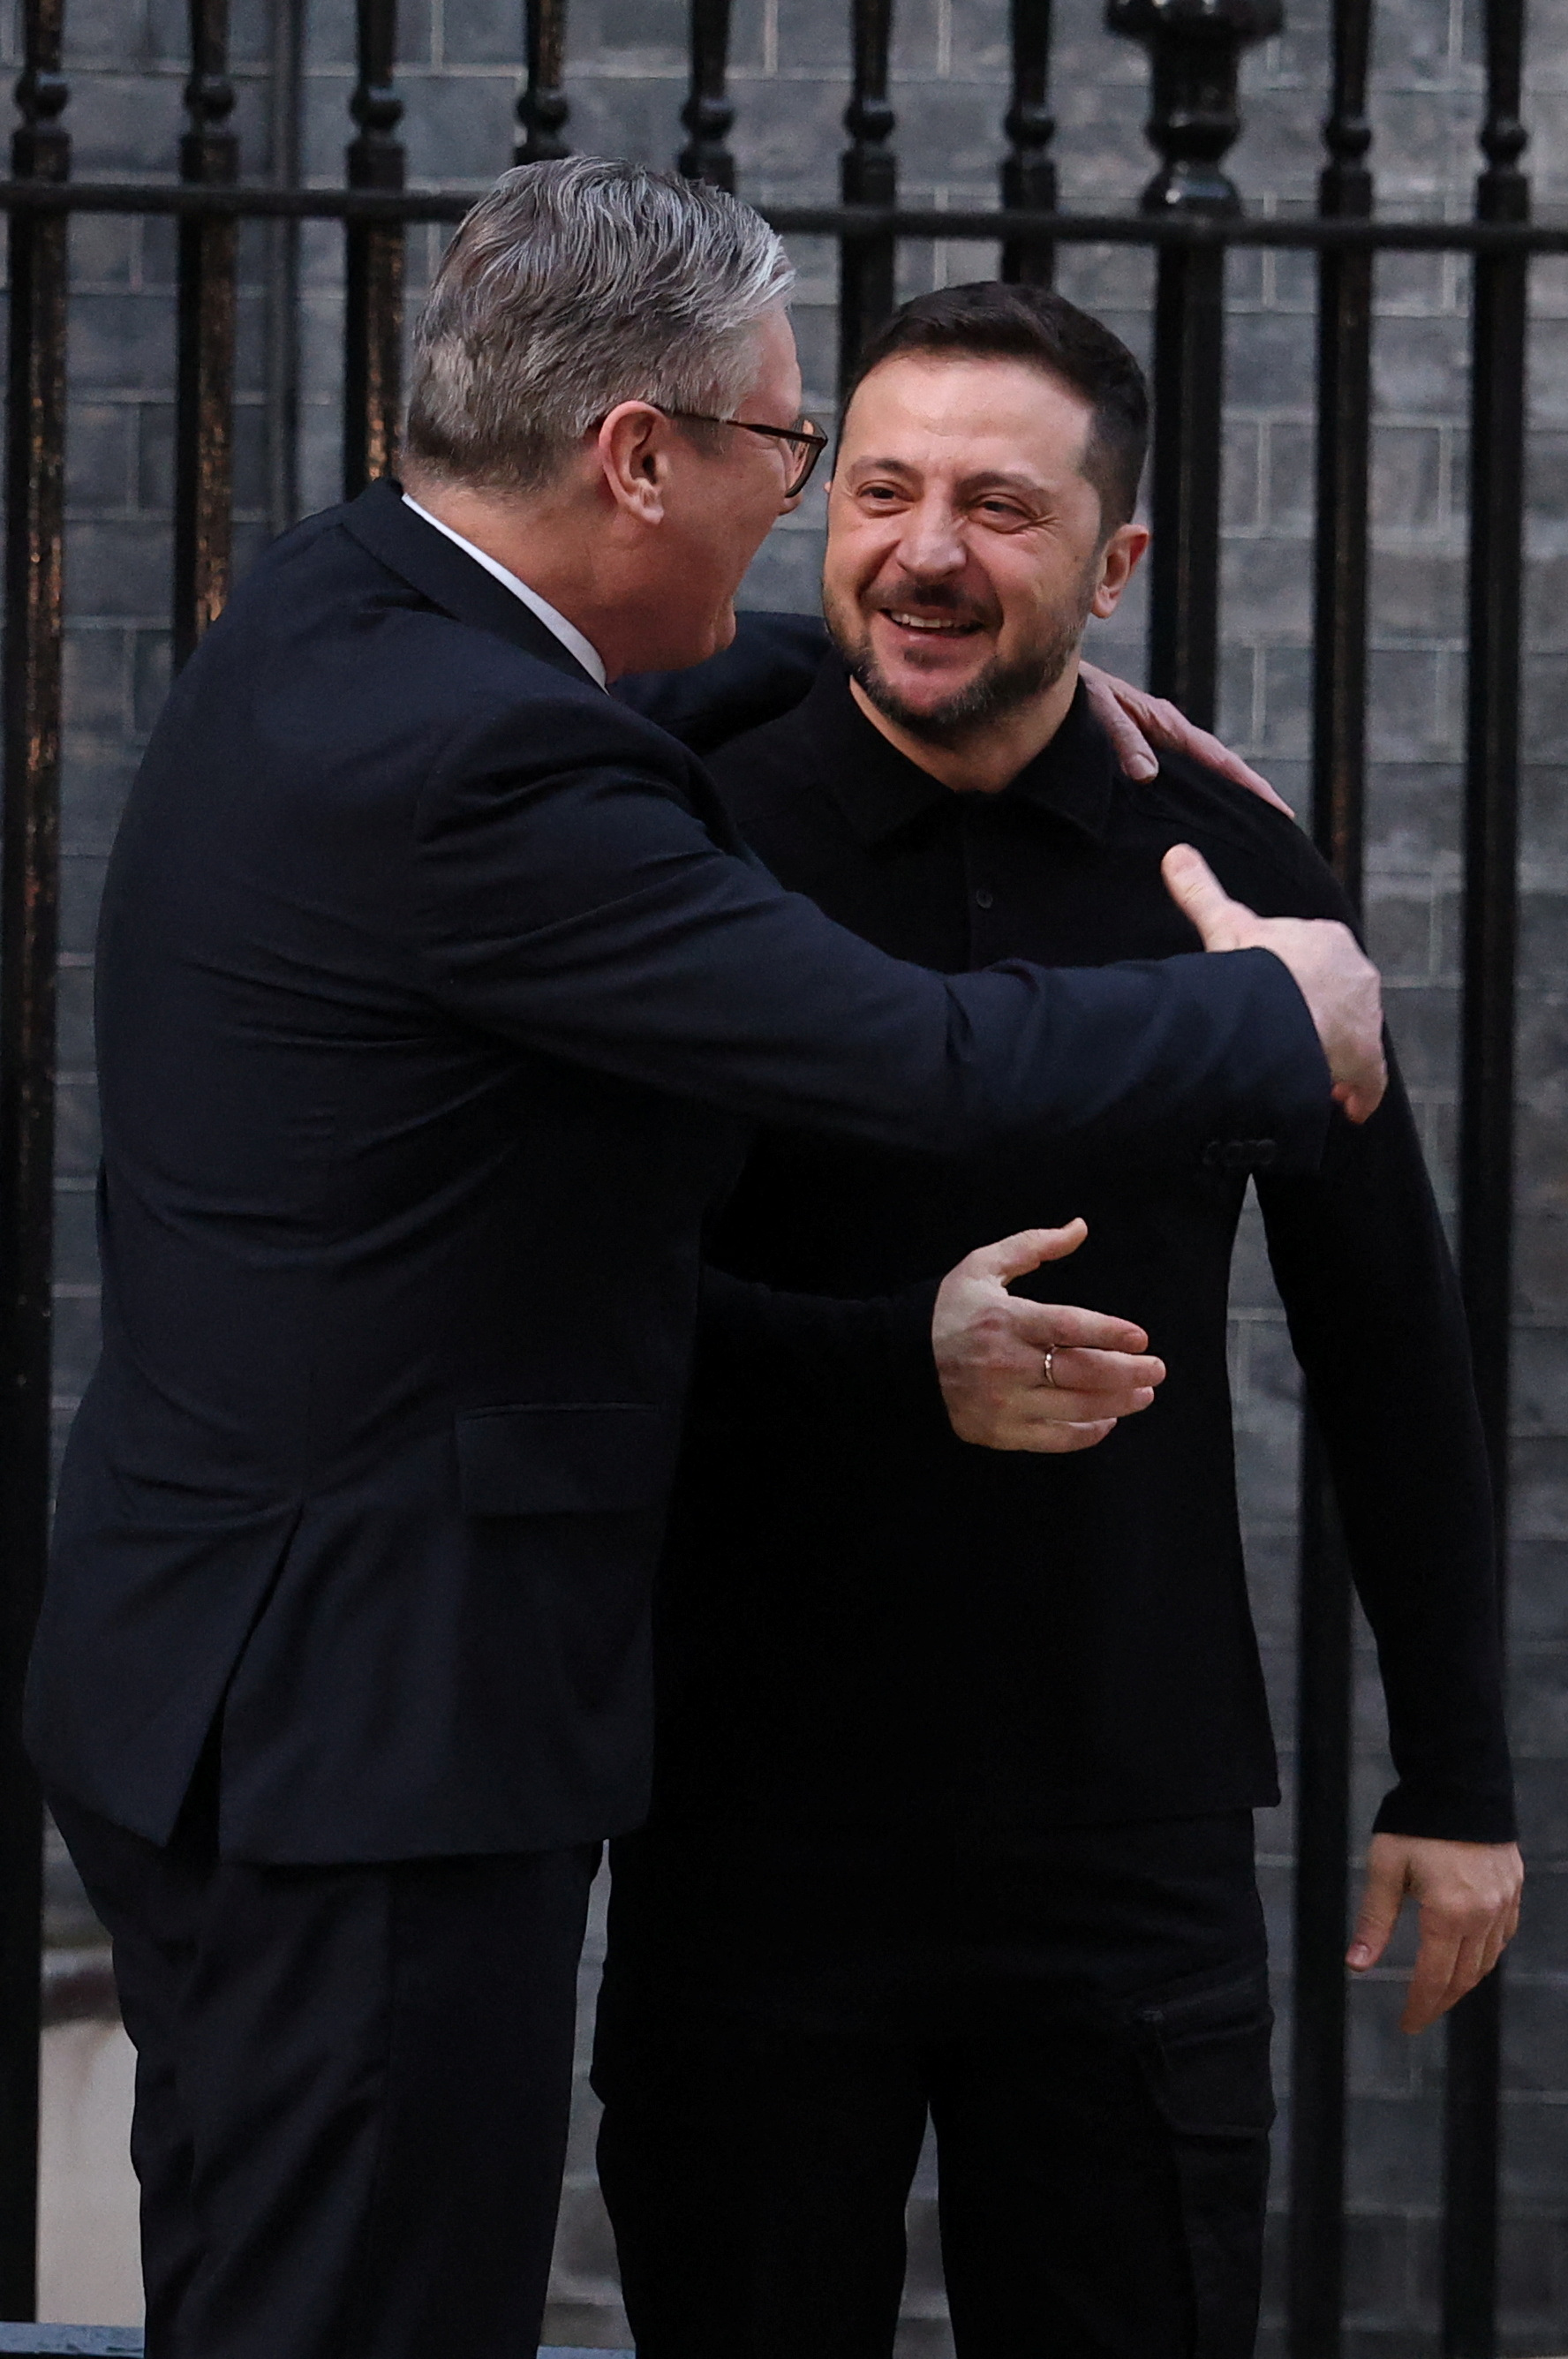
73, 1038
97, 681
99, 456
81, 882
1408, 478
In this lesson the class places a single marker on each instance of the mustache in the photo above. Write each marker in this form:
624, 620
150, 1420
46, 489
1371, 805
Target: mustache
932, 598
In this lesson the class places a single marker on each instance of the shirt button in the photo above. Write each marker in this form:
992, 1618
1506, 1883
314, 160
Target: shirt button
984, 897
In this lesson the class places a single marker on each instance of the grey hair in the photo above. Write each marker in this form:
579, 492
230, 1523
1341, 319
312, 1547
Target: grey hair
573, 286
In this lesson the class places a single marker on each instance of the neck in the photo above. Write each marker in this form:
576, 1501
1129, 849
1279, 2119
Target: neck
550, 542
991, 759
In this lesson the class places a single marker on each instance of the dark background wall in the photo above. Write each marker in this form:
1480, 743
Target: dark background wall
626, 79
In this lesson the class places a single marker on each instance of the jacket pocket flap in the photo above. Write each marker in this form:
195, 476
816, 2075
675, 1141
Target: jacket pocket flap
564, 1457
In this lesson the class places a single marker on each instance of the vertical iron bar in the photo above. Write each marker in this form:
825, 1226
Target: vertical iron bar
372, 355
869, 177
1184, 489
283, 290
35, 491
204, 394
1315, 2296
1498, 416
542, 104
707, 113
1316, 2286
1029, 173
1195, 48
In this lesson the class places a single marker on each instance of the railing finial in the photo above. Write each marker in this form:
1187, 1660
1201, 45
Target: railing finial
1028, 173
40, 145
1195, 47
543, 107
869, 177
707, 114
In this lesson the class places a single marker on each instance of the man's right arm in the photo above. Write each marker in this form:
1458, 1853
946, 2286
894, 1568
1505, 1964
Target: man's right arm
587, 911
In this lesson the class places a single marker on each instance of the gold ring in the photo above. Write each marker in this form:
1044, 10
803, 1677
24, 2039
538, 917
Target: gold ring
1051, 1356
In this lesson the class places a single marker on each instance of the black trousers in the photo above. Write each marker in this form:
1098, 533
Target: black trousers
1083, 2015
353, 2086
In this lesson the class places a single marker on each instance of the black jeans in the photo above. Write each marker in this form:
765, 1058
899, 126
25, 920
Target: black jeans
353, 2086
1084, 2016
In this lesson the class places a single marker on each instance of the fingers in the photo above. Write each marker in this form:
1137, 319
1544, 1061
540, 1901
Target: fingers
1186, 737
1436, 1982
1361, 1099
1198, 895
1077, 1370
1469, 1909
1382, 1895
1135, 723
1118, 708
1061, 1326
1014, 1256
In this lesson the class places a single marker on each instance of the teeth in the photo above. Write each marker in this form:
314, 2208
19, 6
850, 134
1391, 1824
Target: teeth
922, 623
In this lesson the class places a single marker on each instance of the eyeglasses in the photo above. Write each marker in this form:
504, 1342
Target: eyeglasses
806, 443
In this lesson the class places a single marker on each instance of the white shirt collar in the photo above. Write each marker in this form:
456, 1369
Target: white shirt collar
571, 638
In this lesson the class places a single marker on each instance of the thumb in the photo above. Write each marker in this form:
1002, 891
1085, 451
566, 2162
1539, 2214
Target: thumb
1198, 895
1380, 1897
1011, 1257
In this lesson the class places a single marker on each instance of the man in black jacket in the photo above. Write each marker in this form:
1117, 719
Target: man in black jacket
435, 994
958, 1746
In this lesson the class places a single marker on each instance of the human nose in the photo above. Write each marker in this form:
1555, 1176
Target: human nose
930, 544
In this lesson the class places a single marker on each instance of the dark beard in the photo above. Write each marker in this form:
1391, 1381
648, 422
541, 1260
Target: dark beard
995, 692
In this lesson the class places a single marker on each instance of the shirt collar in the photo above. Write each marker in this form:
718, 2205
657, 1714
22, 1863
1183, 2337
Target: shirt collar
880, 790
571, 638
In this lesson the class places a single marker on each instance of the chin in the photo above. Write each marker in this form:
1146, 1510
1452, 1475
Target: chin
921, 692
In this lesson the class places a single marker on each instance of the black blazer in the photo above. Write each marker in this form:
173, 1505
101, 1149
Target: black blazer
435, 995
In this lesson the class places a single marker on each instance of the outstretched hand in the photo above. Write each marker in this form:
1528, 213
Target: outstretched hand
1137, 722
1017, 1375
1334, 974
1468, 1895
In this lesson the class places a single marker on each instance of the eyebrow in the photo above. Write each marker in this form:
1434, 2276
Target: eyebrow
1010, 479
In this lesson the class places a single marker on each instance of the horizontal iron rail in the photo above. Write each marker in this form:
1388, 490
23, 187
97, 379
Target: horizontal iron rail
1307, 230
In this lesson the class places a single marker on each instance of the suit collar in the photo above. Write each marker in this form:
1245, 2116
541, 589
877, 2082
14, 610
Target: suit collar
382, 522
880, 790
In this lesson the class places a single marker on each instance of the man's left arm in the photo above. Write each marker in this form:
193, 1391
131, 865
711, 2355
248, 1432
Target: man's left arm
1359, 1255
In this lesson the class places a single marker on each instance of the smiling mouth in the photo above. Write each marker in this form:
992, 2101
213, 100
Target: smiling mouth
953, 626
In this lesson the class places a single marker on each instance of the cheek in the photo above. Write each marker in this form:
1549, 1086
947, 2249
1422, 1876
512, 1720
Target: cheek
858, 557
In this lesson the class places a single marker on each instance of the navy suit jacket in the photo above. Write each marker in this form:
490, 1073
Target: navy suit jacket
435, 997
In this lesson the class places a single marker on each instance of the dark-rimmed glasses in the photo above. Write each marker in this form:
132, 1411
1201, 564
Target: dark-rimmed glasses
806, 443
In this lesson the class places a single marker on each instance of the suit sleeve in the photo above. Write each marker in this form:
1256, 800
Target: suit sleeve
761, 675
774, 1349
568, 893
1373, 1303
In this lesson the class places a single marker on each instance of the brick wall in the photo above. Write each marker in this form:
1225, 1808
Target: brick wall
459, 76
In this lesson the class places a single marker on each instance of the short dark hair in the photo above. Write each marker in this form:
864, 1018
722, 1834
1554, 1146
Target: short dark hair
990, 321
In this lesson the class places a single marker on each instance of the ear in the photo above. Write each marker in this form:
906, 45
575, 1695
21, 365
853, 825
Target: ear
1118, 560
634, 446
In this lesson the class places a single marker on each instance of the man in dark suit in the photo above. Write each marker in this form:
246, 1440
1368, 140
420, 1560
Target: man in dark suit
958, 1746
436, 993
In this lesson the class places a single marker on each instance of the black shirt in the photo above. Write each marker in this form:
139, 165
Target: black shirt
865, 1620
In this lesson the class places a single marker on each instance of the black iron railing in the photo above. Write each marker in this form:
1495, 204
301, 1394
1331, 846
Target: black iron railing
1191, 216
